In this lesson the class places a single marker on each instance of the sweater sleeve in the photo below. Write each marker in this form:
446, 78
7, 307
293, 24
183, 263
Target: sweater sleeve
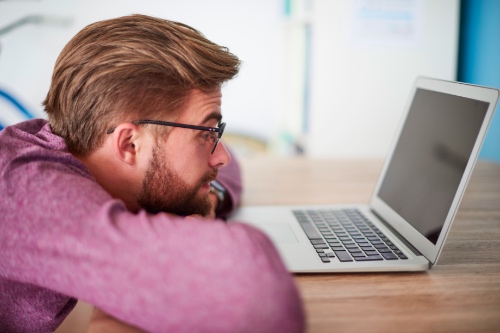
62, 232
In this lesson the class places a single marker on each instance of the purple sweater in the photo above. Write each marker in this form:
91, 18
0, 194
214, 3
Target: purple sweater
63, 238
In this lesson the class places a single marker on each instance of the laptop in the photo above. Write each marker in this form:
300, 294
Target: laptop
405, 224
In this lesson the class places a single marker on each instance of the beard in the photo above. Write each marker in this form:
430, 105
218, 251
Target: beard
164, 191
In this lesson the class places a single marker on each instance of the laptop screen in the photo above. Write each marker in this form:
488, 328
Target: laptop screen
430, 158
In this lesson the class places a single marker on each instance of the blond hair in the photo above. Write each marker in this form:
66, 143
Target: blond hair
129, 68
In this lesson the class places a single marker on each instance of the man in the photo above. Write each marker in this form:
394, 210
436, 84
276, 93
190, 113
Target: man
106, 202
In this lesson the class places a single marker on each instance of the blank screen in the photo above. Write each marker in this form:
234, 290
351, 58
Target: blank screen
430, 158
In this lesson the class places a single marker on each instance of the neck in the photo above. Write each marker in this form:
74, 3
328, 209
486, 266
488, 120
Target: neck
111, 177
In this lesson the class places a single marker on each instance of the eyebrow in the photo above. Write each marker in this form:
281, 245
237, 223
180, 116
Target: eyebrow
213, 115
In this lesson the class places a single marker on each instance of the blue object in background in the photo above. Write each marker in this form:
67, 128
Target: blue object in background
11, 99
479, 58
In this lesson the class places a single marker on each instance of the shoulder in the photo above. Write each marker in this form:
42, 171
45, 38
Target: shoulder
28, 144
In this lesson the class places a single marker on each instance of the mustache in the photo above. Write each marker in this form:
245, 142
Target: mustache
208, 177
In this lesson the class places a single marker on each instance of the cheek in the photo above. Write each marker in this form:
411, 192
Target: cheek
187, 164
187, 156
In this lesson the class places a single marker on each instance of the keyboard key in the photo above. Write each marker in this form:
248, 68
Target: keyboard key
343, 256
371, 253
310, 230
325, 259
317, 241
338, 248
402, 256
368, 258
357, 255
389, 256
361, 240
354, 250
322, 255
321, 246
331, 254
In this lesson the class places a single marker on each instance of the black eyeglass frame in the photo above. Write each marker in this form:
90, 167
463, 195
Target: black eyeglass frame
219, 130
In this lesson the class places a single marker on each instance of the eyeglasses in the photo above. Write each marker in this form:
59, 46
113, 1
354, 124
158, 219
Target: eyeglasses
214, 135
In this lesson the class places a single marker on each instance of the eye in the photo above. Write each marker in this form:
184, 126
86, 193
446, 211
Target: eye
210, 136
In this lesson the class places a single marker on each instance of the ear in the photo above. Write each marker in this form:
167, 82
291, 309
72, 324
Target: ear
126, 143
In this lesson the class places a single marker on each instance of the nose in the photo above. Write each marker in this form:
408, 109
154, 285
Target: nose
220, 157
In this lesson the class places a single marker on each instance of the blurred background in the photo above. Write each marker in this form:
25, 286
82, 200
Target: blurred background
323, 78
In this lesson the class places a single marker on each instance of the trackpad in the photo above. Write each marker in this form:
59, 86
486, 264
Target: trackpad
279, 233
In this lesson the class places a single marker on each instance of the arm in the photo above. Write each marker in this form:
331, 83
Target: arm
155, 272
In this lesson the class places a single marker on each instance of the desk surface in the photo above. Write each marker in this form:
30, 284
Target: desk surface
460, 294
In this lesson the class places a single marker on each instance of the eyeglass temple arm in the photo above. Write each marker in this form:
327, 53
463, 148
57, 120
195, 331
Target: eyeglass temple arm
167, 123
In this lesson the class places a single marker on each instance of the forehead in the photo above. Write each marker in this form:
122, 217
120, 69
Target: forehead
202, 107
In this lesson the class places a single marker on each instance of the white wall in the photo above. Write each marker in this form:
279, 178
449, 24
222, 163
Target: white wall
251, 29
364, 62
359, 81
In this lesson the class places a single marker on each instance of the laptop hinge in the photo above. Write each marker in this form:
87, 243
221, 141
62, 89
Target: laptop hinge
397, 234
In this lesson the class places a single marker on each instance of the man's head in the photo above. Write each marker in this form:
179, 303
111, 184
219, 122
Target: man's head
129, 68
115, 73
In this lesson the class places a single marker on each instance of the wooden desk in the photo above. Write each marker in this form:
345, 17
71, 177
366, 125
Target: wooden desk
460, 294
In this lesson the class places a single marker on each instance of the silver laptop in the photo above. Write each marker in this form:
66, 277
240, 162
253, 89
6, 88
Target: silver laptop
405, 224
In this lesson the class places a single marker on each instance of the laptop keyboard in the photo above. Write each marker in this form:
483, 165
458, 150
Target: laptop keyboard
346, 234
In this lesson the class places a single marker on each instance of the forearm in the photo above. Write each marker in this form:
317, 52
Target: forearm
160, 273
219, 288
234, 299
